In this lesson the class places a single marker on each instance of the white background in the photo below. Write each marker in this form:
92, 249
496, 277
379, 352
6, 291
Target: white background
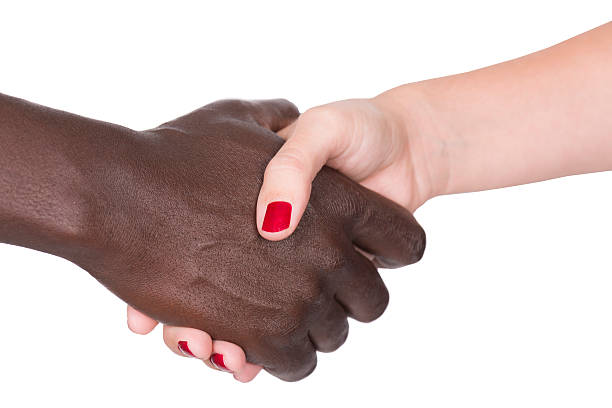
511, 305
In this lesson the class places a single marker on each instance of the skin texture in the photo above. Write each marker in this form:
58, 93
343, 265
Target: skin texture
541, 116
164, 218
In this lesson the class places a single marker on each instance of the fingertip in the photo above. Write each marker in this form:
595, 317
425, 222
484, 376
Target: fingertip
138, 322
279, 219
287, 184
279, 212
389, 232
233, 356
248, 373
188, 342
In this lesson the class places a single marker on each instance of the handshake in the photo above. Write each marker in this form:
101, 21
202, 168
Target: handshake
254, 232
166, 220
178, 241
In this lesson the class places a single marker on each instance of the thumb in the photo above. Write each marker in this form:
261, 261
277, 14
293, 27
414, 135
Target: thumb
311, 142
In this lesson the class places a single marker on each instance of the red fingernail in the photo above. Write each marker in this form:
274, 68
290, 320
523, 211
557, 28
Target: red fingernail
182, 345
217, 361
278, 216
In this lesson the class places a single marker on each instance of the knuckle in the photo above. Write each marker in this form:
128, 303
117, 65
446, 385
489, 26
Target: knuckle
286, 105
305, 367
377, 305
290, 360
287, 324
335, 341
237, 104
303, 304
334, 259
326, 123
234, 107
332, 254
325, 116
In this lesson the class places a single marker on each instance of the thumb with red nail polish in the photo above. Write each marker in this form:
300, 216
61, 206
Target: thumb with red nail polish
287, 181
278, 216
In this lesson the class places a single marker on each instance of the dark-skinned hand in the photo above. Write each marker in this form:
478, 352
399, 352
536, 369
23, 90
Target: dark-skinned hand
171, 230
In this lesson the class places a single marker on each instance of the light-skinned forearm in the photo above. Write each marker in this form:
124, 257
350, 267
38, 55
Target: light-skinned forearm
542, 116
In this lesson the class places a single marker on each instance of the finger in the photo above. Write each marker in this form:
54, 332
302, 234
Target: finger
361, 290
287, 131
288, 177
296, 361
227, 356
188, 342
248, 373
330, 331
139, 322
388, 231
273, 114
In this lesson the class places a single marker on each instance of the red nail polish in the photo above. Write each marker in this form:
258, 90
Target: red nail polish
278, 216
182, 345
217, 361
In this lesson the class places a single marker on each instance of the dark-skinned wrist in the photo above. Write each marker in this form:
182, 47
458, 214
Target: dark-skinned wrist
52, 162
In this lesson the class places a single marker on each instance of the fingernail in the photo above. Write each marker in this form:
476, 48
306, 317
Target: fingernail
182, 345
278, 216
217, 361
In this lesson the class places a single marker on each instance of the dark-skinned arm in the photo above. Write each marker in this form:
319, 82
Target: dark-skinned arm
165, 219
50, 161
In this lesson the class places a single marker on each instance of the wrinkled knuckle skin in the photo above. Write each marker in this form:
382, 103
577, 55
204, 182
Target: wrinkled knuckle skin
295, 315
187, 251
291, 159
323, 117
331, 261
338, 196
